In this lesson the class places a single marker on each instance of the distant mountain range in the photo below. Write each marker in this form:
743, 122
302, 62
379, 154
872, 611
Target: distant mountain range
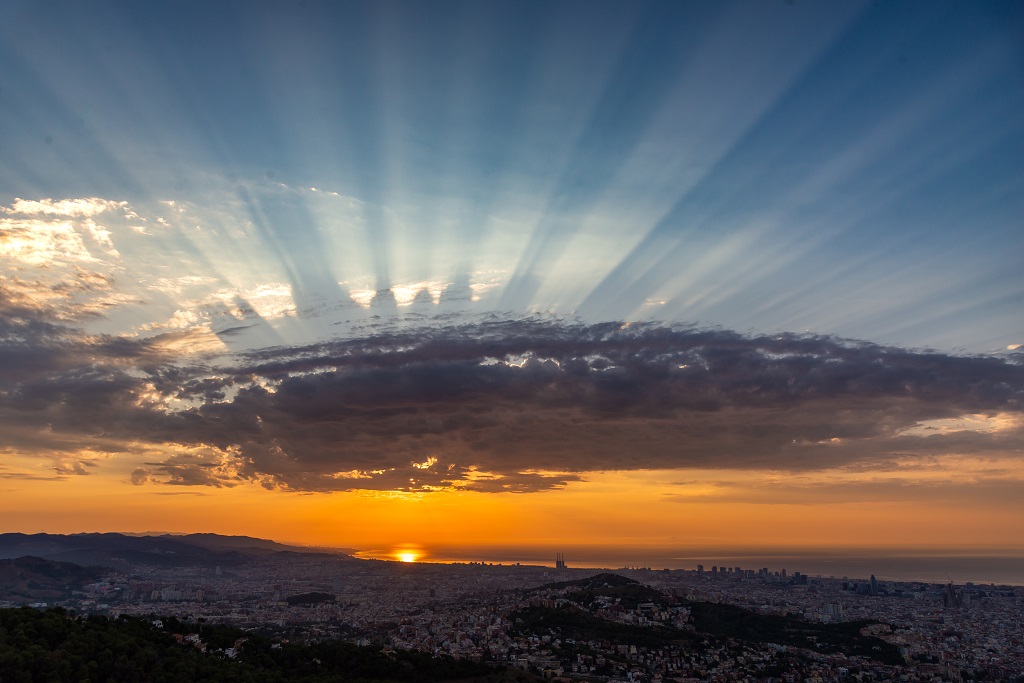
121, 551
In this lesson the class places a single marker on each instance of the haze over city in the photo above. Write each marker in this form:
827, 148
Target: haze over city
633, 282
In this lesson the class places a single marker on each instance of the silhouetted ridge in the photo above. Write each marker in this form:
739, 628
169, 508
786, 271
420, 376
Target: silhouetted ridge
121, 550
591, 583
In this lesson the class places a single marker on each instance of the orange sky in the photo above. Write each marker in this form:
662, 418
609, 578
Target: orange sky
617, 509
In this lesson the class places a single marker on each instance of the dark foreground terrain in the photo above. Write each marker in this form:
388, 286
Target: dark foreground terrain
55, 646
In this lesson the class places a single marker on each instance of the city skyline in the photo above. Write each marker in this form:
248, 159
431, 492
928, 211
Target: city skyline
409, 278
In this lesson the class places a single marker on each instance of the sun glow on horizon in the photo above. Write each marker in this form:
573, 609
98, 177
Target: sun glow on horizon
407, 553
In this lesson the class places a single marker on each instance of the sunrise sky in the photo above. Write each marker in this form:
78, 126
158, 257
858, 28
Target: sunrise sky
442, 275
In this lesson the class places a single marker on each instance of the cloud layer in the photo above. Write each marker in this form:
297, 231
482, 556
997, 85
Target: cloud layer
490, 404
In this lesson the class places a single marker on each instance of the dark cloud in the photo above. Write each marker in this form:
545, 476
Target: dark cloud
26, 476
140, 476
79, 467
201, 467
507, 405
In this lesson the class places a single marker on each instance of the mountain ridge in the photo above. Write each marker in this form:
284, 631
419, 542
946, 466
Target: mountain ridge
121, 551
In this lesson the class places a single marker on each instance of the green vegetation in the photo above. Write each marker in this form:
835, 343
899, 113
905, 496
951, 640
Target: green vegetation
29, 579
51, 646
310, 598
742, 624
574, 623
595, 582
622, 590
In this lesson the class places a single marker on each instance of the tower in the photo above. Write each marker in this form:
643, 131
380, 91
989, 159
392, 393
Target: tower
951, 597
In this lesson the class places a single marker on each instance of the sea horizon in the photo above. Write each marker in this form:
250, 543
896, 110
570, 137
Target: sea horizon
935, 565
909, 567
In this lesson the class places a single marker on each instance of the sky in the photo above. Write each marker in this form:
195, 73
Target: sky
449, 275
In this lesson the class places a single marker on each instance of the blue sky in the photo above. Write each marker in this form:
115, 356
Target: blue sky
845, 168
514, 247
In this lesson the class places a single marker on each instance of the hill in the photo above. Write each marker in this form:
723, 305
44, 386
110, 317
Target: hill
249, 544
33, 579
52, 645
122, 551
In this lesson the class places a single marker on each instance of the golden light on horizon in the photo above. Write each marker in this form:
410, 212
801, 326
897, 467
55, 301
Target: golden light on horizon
407, 553
707, 508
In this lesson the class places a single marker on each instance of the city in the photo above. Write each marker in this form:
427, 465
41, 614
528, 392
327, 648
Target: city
561, 623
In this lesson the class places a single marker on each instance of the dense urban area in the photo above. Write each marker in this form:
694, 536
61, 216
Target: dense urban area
563, 624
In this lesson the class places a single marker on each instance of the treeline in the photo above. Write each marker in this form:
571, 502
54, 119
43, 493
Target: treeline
38, 646
572, 622
310, 599
627, 592
736, 622
713, 622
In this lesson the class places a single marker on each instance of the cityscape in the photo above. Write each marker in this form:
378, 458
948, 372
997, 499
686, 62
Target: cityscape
509, 341
554, 622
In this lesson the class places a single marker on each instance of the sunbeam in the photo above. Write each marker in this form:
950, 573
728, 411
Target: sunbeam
543, 271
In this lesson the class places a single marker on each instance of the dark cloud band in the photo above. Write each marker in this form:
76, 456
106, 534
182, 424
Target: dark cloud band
505, 405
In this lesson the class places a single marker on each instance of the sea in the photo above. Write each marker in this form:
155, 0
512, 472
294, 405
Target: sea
959, 569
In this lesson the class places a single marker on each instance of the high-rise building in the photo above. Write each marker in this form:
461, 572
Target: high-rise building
951, 597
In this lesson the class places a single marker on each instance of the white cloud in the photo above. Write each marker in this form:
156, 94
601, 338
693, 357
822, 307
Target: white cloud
177, 285
980, 423
34, 243
269, 300
86, 206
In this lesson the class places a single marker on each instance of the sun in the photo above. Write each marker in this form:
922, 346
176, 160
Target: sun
407, 552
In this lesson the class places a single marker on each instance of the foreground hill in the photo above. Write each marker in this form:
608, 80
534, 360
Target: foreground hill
33, 579
605, 607
53, 646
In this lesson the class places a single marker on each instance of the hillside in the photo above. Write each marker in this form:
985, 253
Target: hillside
122, 551
33, 579
51, 645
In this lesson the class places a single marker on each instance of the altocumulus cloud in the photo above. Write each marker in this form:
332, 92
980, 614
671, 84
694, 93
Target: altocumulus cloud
492, 405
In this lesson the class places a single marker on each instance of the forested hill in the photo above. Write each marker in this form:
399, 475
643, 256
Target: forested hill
28, 579
53, 646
